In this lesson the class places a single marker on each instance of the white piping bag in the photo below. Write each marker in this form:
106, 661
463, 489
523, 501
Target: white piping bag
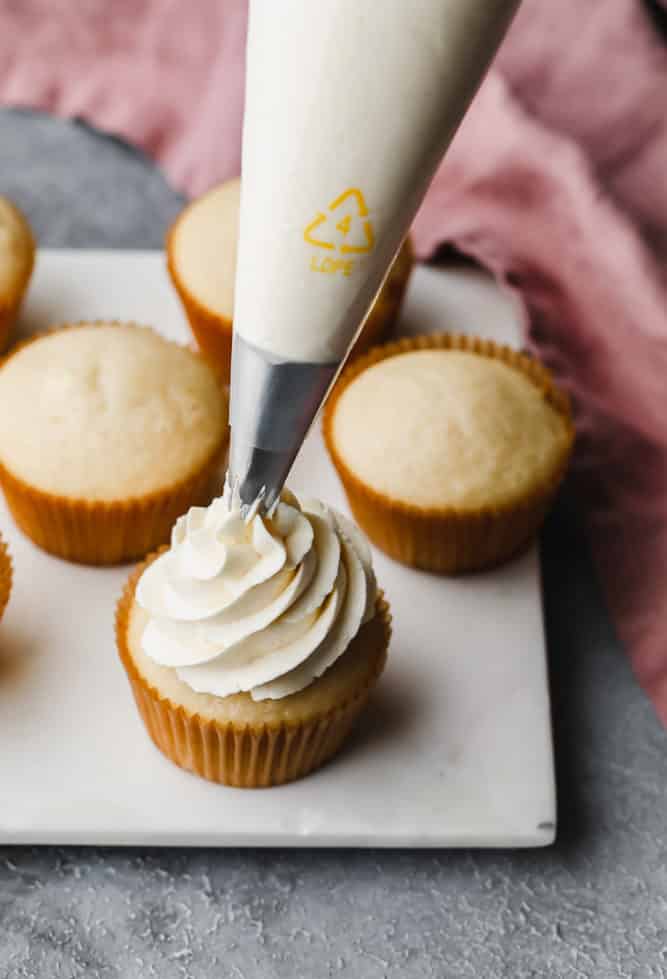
350, 106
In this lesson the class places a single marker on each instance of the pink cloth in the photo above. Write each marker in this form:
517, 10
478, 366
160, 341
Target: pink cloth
167, 76
556, 182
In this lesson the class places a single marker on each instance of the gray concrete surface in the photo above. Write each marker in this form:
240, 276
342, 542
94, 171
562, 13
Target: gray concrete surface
593, 905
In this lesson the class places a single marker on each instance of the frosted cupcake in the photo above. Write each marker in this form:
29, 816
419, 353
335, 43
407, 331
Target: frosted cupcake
201, 259
108, 433
17, 256
450, 449
5, 576
251, 646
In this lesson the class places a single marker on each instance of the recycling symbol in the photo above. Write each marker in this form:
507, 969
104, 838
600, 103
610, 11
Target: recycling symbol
355, 229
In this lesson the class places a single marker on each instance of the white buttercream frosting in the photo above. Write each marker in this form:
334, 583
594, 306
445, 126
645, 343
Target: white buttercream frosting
263, 604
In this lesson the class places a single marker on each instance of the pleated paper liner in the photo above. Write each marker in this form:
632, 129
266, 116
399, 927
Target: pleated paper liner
5, 576
10, 301
449, 539
213, 332
10, 307
107, 532
250, 755
100, 532
8, 314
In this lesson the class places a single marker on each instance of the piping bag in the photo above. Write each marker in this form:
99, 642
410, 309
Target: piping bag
350, 106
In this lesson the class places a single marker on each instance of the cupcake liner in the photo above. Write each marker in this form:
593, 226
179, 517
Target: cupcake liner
383, 314
449, 540
106, 532
212, 332
100, 532
10, 305
8, 314
246, 756
5, 576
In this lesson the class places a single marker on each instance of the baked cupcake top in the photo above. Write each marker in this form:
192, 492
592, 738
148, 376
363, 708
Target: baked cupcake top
262, 604
16, 250
438, 428
105, 412
203, 233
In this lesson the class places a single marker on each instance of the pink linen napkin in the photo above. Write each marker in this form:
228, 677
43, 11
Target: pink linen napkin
556, 182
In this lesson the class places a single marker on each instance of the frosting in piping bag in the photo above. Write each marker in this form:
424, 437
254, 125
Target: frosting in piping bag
258, 604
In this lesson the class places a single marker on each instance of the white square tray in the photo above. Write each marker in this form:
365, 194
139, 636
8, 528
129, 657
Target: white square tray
455, 748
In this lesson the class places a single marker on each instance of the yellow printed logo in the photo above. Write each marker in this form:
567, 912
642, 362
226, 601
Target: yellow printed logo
345, 229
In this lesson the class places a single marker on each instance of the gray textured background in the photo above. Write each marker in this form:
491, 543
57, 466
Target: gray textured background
595, 904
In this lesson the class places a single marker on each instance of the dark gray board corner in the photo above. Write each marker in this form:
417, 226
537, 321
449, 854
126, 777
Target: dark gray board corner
81, 188
592, 905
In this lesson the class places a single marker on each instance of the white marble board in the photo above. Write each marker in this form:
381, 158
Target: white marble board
455, 749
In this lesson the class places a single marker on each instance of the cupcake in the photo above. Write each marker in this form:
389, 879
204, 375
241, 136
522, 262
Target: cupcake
5, 576
108, 433
201, 259
251, 645
450, 449
17, 257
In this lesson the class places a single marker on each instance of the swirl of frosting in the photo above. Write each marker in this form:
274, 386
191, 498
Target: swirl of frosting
258, 604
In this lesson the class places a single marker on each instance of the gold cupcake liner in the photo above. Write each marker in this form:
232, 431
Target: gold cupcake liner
100, 533
212, 332
384, 312
450, 540
246, 756
8, 314
106, 532
10, 309
10, 306
6, 575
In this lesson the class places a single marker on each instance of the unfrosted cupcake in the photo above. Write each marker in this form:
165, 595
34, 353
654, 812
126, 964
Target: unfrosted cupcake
108, 433
17, 257
5, 576
201, 258
252, 646
450, 449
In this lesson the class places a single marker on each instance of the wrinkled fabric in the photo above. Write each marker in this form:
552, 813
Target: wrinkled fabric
556, 182
165, 75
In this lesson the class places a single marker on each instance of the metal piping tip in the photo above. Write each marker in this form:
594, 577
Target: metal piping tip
273, 403
256, 476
